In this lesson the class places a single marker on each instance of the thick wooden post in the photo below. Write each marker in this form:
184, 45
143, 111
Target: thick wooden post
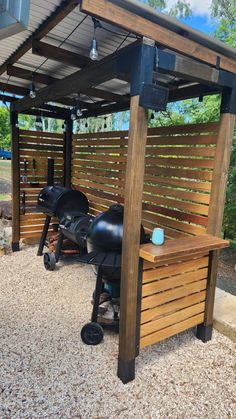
131, 240
216, 213
67, 152
15, 169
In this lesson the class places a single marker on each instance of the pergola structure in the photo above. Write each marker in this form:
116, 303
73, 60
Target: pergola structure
181, 184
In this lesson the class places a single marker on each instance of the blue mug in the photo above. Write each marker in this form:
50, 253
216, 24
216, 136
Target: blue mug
158, 236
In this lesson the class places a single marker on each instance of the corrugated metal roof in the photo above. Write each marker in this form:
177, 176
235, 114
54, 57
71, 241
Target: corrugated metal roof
80, 40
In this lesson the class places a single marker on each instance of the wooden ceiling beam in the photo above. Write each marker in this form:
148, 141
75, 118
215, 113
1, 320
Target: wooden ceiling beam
60, 54
23, 73
26, 74
15, 90
108, 11
193, 91
59, 14
99, 72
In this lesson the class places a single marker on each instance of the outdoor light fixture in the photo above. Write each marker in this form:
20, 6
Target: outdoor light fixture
32, 92
73, 114
86, 124
105, 122
78, 111
94, 46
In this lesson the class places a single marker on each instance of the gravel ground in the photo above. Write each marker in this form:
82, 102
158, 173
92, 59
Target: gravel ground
47, 372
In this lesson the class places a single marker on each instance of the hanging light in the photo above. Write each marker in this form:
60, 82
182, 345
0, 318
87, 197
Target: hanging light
94, 45
32, 92
39, 122
78, 111
152, 115
105, 122
86, 124
64, 126
73, 114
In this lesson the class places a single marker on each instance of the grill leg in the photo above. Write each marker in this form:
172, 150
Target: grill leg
98, 291
59, 246
44, 235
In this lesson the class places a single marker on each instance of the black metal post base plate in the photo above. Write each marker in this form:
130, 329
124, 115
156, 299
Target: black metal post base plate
126, 370
204, 333
15, 246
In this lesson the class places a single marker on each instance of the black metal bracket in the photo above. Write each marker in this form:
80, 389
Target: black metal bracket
143, 61
228, 101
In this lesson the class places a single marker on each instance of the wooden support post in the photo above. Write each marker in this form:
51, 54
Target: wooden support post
15, 168
216, 213
67, 152
131, 240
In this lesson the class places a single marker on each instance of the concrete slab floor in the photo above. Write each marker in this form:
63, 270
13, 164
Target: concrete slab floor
225, 313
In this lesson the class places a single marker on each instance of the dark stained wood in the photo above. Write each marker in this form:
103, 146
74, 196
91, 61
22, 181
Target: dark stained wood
180, 247
110, 12
220, 173
132, 222
15, 182
24, 73
59, 54
68, 152
216, 207
61, 11
11, 88
101, 71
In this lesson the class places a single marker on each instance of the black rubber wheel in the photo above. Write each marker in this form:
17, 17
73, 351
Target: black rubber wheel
49, 261
92, 333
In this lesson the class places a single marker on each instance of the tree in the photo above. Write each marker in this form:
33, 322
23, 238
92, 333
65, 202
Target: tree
180, 9
4, 128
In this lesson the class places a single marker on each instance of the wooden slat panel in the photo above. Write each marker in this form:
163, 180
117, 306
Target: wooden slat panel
174, 294
172, 307
174, 281
174, 269
51, 141
202, 198
171, 319
176, 198
25, 133
171, 330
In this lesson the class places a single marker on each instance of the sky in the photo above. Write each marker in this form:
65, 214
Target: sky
200, 18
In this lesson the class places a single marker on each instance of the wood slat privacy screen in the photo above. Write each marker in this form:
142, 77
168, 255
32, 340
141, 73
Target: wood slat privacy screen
178, 174
39, 146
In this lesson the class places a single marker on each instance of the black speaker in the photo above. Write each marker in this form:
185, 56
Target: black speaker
154, 97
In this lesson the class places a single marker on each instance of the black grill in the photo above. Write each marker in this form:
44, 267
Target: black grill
58, 201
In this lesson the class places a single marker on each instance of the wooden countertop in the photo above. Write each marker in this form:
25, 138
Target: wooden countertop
181, 247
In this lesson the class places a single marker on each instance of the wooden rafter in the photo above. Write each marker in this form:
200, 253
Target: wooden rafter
110, 12
97, 73
60, 54
24, 73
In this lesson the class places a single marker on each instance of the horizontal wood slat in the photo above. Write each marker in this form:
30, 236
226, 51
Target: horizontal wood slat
171, 330
173, 294
39, 146
171, 319
178, 174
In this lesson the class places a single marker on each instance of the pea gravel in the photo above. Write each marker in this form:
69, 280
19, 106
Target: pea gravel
47, 372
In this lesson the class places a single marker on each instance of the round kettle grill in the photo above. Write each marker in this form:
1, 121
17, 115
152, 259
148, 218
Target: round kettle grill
57, 201
104, 243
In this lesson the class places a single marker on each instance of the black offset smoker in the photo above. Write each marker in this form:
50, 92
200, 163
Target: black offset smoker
104, 243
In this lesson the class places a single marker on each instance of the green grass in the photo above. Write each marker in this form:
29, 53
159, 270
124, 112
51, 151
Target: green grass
5, 197
5, 169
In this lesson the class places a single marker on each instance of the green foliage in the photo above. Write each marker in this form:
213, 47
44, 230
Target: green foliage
180, 9
4, 128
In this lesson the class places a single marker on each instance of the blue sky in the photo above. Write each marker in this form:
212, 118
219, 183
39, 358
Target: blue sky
202, 23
